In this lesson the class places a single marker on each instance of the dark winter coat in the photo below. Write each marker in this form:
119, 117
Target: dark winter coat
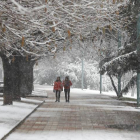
67, 84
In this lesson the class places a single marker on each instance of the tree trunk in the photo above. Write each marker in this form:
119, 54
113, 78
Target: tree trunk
113, 84
16, 79
8, 86
26, 76
133, 91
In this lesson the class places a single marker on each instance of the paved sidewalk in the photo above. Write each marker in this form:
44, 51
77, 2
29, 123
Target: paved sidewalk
86, 117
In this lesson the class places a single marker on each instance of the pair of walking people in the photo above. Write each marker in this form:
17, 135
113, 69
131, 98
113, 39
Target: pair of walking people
58, 87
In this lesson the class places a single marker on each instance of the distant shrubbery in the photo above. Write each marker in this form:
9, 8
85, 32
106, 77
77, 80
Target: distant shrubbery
47, 74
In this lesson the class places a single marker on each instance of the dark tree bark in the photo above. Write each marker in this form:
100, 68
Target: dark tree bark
18, 78
7, 81
113, 84
26, 76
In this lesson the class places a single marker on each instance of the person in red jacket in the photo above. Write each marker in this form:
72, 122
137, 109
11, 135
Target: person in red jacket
58, 88
67, 83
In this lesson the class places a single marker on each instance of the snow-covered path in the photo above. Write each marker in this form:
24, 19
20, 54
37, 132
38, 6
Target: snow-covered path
87, 117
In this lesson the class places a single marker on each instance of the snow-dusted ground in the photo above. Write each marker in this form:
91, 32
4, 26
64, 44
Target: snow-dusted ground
78, 135
11, 115
39, 93
97, 134
77, 90
40, 90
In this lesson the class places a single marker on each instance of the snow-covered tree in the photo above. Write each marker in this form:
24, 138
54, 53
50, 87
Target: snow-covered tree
34, 29
127, 58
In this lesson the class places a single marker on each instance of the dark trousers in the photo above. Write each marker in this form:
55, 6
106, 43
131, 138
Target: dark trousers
67, 94
57, 95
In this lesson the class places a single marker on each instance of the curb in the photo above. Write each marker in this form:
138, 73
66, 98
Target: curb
32, 96
5, 136
37, 96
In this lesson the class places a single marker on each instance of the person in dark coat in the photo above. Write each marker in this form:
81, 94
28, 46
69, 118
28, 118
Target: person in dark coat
67, 83
58, 88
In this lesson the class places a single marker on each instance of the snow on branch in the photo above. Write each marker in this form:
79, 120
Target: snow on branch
117, 60
42, 23
22, 9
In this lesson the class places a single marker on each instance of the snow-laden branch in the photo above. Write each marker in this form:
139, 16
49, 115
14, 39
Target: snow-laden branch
41, 24
22, 9
119, 58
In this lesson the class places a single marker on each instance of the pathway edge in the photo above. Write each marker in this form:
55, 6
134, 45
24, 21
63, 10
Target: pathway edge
20, 122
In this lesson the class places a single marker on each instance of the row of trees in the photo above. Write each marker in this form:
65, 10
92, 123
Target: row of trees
32, 29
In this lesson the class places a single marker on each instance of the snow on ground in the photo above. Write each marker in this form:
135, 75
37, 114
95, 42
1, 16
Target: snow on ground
80, 91
109, 93
40, 93
106, 106
78, 135
39, 90
30, 100
113, 107
11, 115
75, 91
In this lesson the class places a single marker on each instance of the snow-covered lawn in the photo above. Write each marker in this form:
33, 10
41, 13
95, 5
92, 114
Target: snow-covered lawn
11, 115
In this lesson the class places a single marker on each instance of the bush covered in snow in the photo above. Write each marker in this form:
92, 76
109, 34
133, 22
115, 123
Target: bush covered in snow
47, 72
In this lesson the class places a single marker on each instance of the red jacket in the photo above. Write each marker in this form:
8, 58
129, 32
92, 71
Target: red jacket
67, 84
58, 85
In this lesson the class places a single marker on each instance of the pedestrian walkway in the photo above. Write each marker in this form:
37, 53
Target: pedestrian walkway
86, 117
